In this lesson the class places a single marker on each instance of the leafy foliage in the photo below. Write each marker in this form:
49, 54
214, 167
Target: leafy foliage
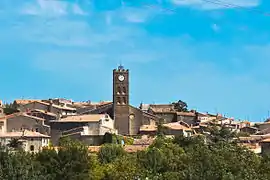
116, 139
9, 109
214, 156
110, 152
15, 144
180, 106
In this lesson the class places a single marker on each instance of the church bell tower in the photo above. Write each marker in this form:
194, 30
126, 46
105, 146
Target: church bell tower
121, 99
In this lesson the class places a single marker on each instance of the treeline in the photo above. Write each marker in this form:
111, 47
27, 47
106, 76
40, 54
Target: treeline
215, 157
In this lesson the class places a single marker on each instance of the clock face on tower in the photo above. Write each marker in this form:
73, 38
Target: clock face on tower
121, 78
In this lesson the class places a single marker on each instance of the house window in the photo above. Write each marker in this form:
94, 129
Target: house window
32, 148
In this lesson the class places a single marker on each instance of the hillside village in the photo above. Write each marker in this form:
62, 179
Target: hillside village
40, 123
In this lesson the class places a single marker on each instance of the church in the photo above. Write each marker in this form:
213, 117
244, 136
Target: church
128, 119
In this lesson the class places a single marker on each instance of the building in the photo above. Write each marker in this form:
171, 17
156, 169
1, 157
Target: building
169, 114
30, 130
128, 119
206, 117
173, 128
249, 130
31, 141
59, 110
21, 102
85, 107
21, 121
265, 146
178, 128
47, 116
148, 129
87, 128
61, 102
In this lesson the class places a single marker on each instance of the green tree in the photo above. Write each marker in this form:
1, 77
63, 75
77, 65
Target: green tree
19, 165
50, 163
15, 144
70, 162
9, 109
180, 106
107, 138
110, 152
125, 168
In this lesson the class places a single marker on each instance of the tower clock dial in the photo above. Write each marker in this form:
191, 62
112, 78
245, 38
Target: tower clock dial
121, 78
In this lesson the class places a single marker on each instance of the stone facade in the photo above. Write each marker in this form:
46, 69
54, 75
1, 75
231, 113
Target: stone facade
31, 141
121, 100
21, 121
128, 119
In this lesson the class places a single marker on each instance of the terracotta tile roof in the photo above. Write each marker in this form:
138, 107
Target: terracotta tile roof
266, 140
186, 114
147, 114
148, 128
86, 104
177, 126
82, 118
54, 105
162, 108
94, 148
26, 101
101, 103
25, 134
23, 114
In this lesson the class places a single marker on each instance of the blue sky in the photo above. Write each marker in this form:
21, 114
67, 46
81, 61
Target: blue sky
212, 57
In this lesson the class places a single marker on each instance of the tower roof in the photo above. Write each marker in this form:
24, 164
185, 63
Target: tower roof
120, 67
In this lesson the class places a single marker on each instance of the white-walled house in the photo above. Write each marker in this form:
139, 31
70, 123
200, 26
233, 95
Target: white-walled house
31, 141
24, 128
89, 128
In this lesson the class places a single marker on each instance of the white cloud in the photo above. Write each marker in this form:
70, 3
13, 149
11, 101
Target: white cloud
78, 10
216, 4
138, 15
53, 8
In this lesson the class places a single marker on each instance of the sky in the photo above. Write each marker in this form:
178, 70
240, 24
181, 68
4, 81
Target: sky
214, 57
